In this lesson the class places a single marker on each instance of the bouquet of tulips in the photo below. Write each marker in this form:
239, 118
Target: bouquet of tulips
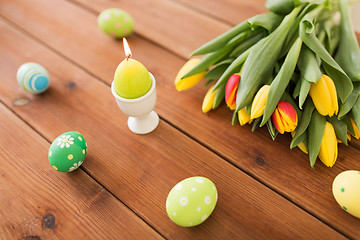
294, 69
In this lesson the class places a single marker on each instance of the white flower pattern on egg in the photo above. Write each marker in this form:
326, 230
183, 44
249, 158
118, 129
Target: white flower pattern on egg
76, 165
65, 141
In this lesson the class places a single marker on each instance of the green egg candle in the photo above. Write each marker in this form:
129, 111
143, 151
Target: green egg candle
132, 79
191, 201
67, 152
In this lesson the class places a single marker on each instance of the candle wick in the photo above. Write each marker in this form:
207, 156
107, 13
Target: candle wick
127, 57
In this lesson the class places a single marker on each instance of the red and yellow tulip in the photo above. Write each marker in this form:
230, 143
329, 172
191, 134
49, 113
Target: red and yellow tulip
189, 82
284, 117
328, 148
323, 94
208, 101
259, 102
231, 90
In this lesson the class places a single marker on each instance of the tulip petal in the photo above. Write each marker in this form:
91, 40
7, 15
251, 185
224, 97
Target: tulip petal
356, 129
231, 90
276, 120
208, 100
189, 82
258, 105
321, 97
328, 148
244, 117
332, 90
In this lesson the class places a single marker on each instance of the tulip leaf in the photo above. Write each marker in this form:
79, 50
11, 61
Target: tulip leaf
272, 130
269, 21
246, 44
281, 80
219, 96
298, 140
348, 54
214, 57
304, 91
218, 69
315, 135
304, 123
296, 91
261, 61
280, 6
308, 65
342, 82
208, 82
234, 67
349, 125
350, 101
256, 124
356, 112
340, 128
222, 39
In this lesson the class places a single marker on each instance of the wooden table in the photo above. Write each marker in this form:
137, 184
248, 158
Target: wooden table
266, 190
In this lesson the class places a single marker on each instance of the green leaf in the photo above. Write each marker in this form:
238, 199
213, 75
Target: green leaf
221, 40
214, 57
272, 130
304, 91
348, 54
350, 101
308, 65
296, 91
340, 128
342, 82
346, 119
246, 44
356, 112
304, 122
281, 80
315, 134
219, 96
269, 21
298, 140
256, 123
261, 60
218, 69
280, 6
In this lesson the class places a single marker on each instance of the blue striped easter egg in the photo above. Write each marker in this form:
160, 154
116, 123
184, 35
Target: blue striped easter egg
33, 77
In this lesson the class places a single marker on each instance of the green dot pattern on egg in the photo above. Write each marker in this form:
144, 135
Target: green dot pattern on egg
116, 22
67, 152
191, 201
346, 190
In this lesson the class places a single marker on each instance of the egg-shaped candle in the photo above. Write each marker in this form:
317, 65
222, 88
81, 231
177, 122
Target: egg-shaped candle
131, 79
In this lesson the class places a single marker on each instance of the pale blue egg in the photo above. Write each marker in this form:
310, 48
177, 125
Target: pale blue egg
33, 77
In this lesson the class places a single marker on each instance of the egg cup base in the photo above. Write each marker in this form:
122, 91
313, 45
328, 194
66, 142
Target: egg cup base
144, 124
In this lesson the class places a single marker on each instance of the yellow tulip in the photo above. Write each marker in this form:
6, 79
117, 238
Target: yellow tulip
323, 93
189, 82
258, 104
208, 101
328, 148
244, 117
356, 129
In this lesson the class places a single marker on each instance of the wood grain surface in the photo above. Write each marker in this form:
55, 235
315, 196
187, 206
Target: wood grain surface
265, 195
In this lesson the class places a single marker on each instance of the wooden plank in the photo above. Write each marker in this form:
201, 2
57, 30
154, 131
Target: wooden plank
37, 202
252, 152
229, 11
141, 170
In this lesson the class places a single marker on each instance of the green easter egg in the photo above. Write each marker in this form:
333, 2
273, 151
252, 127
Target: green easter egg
116, 22
67, 152
191, 201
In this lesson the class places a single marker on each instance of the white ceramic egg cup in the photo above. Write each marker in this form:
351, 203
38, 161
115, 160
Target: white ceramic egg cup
142, 119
